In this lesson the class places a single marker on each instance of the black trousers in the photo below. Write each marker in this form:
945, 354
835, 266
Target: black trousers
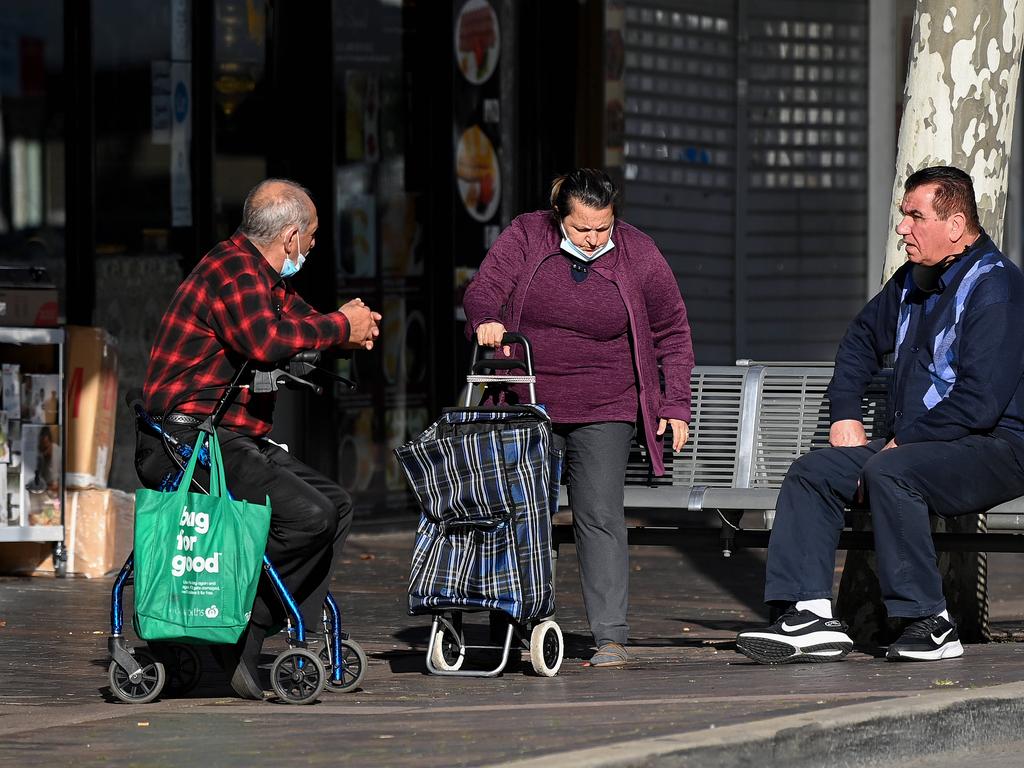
309, 520
901, 485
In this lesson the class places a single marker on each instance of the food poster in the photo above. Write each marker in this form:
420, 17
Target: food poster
357, 236
477, 174
477, 41
401, 251
476, 100
368, 45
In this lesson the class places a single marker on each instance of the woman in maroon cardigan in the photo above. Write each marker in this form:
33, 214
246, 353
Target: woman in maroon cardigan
602, 310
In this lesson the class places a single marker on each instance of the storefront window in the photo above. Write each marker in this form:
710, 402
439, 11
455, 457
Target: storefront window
239, 96
144, 217
143, 94
379, 249
32, 117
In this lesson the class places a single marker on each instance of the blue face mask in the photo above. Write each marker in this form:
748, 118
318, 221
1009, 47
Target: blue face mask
572, 249
290, 267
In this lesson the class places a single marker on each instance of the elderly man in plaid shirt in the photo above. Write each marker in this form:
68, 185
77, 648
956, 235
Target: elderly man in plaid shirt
235, 306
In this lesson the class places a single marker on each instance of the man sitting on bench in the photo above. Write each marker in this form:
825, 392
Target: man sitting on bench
953, 316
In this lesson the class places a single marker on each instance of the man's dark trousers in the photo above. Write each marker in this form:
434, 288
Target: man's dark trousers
310, 515
900, 485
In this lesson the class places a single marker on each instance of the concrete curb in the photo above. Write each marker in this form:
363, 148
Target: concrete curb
855, 736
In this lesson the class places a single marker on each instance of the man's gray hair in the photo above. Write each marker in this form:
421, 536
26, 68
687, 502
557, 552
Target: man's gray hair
266, 214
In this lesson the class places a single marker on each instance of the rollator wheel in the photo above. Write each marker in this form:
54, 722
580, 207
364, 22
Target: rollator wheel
353, 667
449, 651
297, 676
546, 648
148, 683
182, 664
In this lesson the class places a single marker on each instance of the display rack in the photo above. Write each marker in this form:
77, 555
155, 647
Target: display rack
32, 504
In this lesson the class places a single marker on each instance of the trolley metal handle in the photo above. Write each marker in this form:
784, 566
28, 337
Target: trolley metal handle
478, 364
498, 364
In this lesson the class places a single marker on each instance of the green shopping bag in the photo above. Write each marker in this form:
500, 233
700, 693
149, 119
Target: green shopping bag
197, 558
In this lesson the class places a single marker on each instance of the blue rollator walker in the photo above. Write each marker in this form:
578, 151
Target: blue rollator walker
487, 481
138, 676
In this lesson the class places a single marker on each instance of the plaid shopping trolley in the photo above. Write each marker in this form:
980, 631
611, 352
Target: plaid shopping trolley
486, 479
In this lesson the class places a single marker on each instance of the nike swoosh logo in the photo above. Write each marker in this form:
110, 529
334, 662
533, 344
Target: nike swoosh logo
796, 627
939, 640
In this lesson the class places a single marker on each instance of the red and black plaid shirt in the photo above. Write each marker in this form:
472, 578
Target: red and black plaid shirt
233, 307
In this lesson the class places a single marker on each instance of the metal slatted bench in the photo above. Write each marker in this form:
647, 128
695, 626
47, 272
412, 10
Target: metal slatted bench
749, 423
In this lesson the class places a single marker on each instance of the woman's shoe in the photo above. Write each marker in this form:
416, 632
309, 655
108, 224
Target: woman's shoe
609, 655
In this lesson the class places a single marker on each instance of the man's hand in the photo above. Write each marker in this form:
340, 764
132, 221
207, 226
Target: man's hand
680, 432
847, 433
362, 324
490, 335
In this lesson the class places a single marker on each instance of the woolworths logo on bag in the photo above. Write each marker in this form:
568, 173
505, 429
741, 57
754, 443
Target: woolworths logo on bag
182, 564
211, 613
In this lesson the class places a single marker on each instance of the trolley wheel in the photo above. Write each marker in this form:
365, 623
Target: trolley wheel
147, 687
353, 667
546, 648
183, 666
297, 676
449, 650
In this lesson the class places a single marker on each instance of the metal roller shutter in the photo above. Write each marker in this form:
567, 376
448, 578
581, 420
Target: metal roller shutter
744, 158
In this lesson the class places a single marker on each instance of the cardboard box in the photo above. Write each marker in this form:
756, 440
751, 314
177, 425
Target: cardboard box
91, 409
28, 558
98, 529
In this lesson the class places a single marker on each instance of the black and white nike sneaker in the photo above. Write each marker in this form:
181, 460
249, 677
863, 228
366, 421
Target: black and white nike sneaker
796, 636
928, 639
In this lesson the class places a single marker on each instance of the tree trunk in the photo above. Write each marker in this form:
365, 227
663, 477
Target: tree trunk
958, 107
958, 103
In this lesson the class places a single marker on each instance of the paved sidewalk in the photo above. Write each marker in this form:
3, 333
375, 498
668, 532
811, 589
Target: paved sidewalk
686, 693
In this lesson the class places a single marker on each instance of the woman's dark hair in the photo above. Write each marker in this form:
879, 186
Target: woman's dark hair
954, 193
589, 186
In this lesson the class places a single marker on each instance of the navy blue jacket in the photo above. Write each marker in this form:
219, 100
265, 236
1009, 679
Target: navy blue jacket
959, 352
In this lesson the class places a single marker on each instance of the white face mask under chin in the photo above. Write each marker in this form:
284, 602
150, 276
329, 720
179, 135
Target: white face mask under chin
574, 250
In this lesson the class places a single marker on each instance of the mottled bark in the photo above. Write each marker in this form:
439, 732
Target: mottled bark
958, 102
